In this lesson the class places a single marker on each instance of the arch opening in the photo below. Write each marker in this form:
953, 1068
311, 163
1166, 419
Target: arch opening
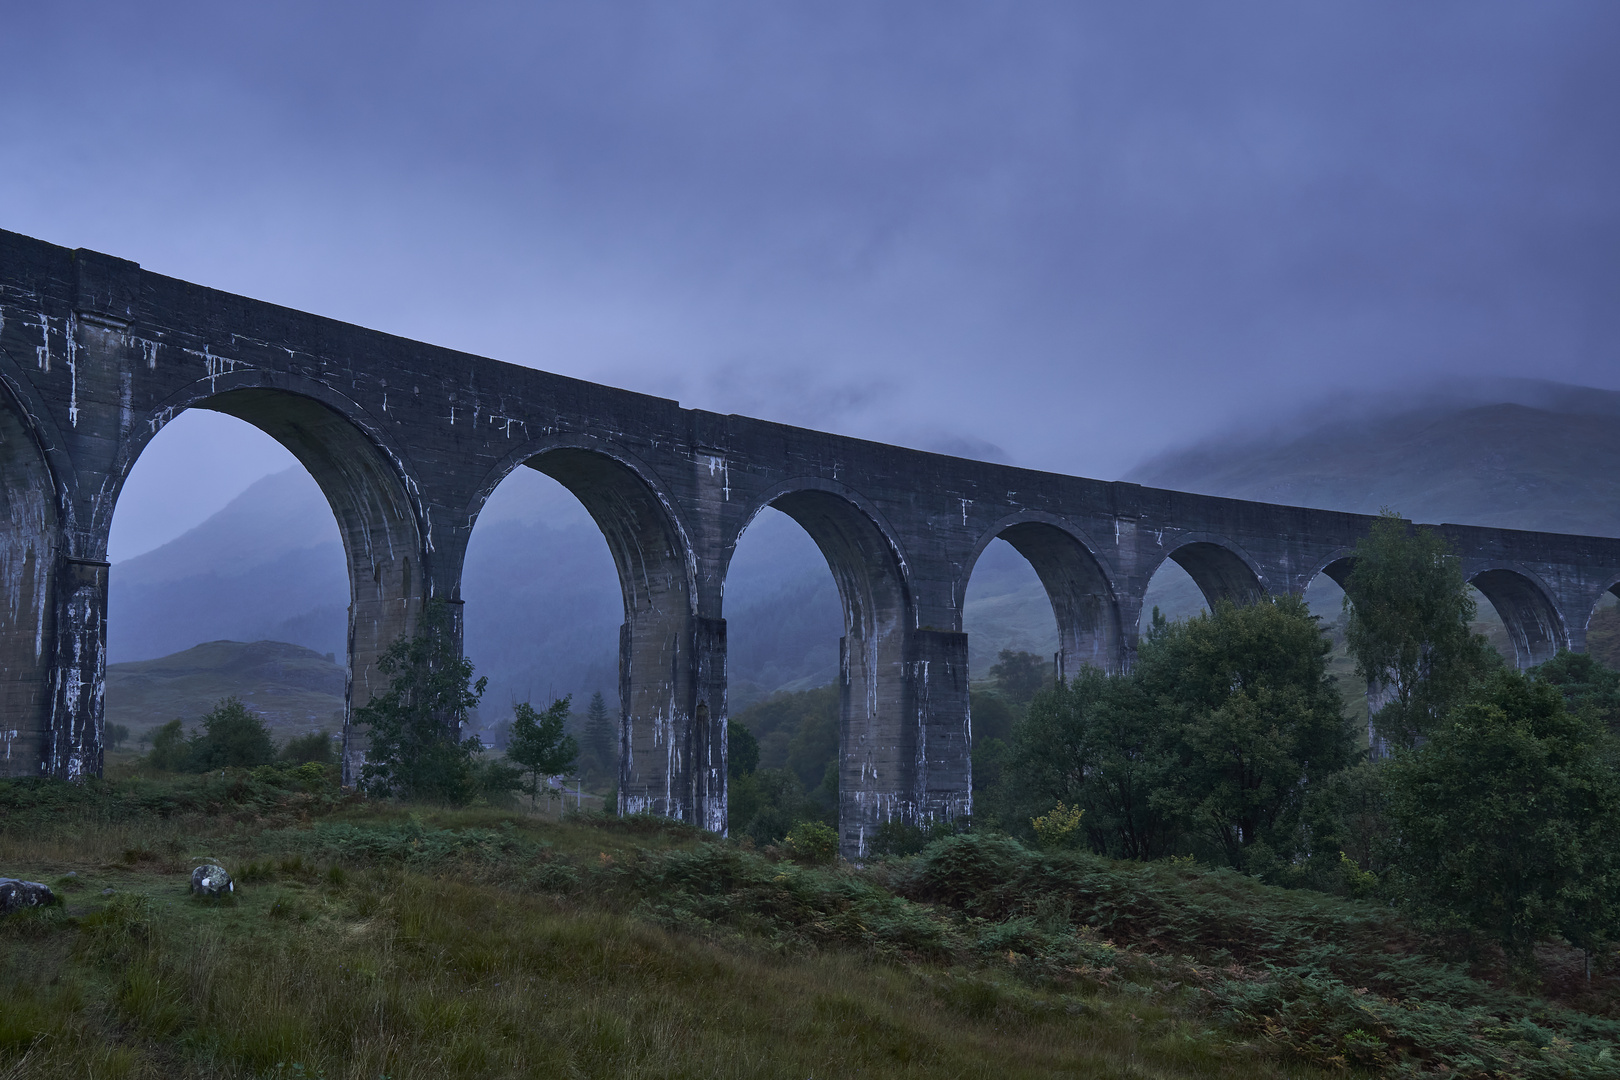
1535, 630
1219, 572
275, 585
1080, 594
382, 540
784, 623
1324, 595
544, 606
878, 726
670, 662
1603, 628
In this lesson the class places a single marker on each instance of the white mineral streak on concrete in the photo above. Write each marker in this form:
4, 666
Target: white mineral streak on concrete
213, 366
42, 353
72, 335
965, 504
126, 394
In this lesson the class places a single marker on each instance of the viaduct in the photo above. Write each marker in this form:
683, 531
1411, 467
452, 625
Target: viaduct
408, 440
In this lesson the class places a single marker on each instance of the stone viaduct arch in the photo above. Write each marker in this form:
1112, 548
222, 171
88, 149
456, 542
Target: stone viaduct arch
672, 712
1080, 590
407, 440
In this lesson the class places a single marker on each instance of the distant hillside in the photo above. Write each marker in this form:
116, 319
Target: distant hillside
295, 690
269, 566
1549, 465
1549, 460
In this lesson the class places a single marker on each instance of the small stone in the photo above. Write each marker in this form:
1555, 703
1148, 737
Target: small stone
210, 879
106, 892
16, 895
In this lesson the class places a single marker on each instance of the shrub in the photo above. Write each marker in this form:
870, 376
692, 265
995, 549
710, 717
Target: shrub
1506, 820
1058, 827
812, 842
314, 748
231, 737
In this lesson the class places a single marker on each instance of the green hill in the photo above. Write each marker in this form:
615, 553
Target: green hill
295, 690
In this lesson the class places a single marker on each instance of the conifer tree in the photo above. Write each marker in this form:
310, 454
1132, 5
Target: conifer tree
601, 738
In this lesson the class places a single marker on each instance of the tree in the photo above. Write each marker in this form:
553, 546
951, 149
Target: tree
316, 748
1021, 675
742, 751
170, 750
1507, 820
1585, 683
114, 736
231, 737
415, 725
601, 739
1095, 743
1409, 629
1255, 718
539, 747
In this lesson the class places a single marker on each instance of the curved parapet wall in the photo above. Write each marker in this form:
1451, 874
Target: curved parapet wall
407, 440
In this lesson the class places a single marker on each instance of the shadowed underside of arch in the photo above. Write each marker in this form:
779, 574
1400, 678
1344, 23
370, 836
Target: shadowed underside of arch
382, 541
1082, 599
1533, 623
28, 565
671, 663
1219, 573
882, 752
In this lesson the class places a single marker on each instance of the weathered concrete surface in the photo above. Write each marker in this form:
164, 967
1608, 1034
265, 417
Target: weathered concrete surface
408, 440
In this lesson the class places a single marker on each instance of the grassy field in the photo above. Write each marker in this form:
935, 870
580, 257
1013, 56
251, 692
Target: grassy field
373, 940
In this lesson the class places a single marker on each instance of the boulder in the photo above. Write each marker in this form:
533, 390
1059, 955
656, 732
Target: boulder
16, 895
210, 879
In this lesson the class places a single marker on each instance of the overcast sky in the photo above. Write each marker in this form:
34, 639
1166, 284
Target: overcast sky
1066, 236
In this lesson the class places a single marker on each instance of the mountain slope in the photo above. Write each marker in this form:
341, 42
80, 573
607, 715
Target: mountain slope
294, 689
1508, 465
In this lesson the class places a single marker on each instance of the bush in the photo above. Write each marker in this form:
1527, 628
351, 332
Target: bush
314, 748
812, 842
1058, 827
417, 751
1506, 821
231, 737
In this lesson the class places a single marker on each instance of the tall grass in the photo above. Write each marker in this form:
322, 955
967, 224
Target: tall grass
371, 940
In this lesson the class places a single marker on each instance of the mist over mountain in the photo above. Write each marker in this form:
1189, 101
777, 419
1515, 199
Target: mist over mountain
1543, 456
1509, 453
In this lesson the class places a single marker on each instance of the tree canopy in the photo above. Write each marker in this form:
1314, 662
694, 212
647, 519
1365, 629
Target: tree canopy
415, 725
1409, 628
1505, 818
539, 747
